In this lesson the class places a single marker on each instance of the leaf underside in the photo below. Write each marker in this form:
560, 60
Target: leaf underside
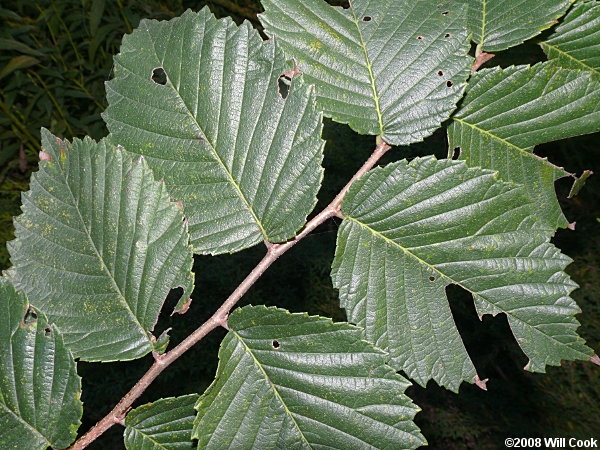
394, 68
39, 385
411, 229
98, 247
164, 424
500, 24
507, 112
575, 44
297, 381
245, 162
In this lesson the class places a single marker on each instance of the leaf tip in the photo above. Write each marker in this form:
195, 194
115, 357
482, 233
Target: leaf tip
481, 384
45, 156
595, 359
579, 183
184, 307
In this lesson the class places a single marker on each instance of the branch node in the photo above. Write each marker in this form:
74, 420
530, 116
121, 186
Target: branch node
220, 317
223, 322
157, 356
120, 417
273, 248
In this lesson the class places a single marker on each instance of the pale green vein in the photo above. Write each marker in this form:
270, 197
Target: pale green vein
483, 20
20, 419
509, 144
443, 275
276, 392
571, 57
213, 148
154, 441
363, 46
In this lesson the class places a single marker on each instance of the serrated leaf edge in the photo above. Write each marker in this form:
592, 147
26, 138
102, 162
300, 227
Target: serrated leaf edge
329, 322
451, 280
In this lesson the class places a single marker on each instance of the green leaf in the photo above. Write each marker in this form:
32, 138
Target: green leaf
575, 44
411, 229
96, 13
579, 183
98, 248
39, 385
499, 24
245, 162
164, 424
506, 112
17, 63
394, 68
12, 44
297, 381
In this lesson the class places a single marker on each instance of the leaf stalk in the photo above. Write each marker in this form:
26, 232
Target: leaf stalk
219, 318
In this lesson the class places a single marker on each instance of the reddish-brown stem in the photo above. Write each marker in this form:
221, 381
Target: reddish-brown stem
481, 58
219, 318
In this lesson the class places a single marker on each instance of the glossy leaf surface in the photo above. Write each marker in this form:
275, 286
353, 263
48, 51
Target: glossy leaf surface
39, 385
98, 247
575, 44
394, 68
297, 381
411, 229
165, 424
199, 98
500, 24
506, 112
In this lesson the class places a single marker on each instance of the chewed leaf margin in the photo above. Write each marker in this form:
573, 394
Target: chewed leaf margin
273, 382
99, 237
244, 162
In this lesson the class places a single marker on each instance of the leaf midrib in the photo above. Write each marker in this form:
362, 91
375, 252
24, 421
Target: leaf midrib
212, 147
27, 424
578, 61
434, 268
147, 436
483, 22
273, 386
509, 144
110, 276
363, 46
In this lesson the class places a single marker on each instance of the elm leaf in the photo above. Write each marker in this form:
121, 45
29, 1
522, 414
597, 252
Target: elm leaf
297, 381
39, 385
575, 44
500, 24
393, 68
411, 229
164, 424
98, 247
199, 98
507, 112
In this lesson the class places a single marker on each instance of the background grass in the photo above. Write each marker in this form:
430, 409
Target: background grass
54, 59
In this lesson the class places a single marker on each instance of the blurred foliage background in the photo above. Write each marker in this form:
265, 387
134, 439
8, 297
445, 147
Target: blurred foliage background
54, 59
